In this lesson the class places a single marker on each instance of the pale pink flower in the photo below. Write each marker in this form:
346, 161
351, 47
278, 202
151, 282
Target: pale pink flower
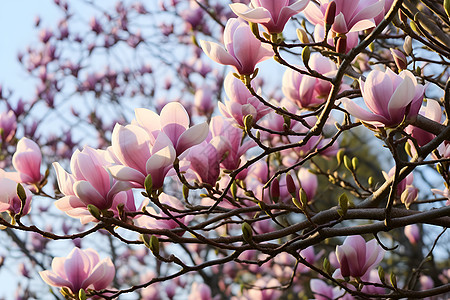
27, 162
307, 91
323, 291
271, 14
389, 97
241, 103
351, 15
243, 49
412, 232
204, 162
8, 126
9, 200
308, 182
200, 291
356, 257
204, 102
81, 269
227, 139
90, 183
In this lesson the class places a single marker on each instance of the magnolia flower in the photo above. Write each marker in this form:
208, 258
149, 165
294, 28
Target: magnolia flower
241, 103
389, 97
27, 162
412, 232
356, 257
432, 111
81, 269
204, 162
9, 200
243, 49
350, 16
271, 14
90, 183
323, 291
266, 290
307, 91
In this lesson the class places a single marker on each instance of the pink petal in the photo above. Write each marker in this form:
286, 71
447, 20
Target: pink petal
191, 137
340, 25
149, 120
256, 15
54, 280
124, 173
65, 180
313, 14
89, 195
358, 112
102, 275
401, 97
218, 54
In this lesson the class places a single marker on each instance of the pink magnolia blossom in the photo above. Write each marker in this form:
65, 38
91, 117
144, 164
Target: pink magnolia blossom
356, 257
323, 291
271, 14
90, 183
204, 102
204, 162
81, 269
351, 42
241, 103
412, 232
227, 140
9, 200
243, 49
405, 189
351, 15
308, 91
27, 162
8, 126
389, 97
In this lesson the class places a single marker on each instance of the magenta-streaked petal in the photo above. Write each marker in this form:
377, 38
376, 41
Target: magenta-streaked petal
77, 268
102, 275
362, 114
95, 174
191, 137
367, 14
287, 12
174, 112
149, 120
401, 97
245, 46
27, 159
89, 195
68, 203
362, 25
374, 254
161, 159
255, 15
218, 54
377, 91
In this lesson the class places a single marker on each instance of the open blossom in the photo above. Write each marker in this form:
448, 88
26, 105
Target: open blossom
90, 183
389, 97
307, 91
323, 291
271, 14
27, 162
356, 257
241, 103
152, 142
204, 162
81, 269
243, 49
227, 140
350, 16
9, 200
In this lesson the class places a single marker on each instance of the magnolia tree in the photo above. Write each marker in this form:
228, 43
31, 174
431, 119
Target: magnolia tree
145, 167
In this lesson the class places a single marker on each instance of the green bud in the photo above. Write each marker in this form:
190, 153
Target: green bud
413, 26
303, 197
302, 36
370, 181
381, 274
340, 156
447, 7
248, 122
408, 149
326, 265
354, 163
266, 35
340, 212
95, 212
21, 193
82, 294
146, 239
297, 203
247, 232
233, 189
148, 184
254, 28
306, 54
348, 163
185, 192
154, 245
393, 279
343, 203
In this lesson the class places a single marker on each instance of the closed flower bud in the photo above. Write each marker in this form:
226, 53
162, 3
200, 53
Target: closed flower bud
275, 190
302, 36
407, 45
330, 13
341, 45
399, 59
247, 232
